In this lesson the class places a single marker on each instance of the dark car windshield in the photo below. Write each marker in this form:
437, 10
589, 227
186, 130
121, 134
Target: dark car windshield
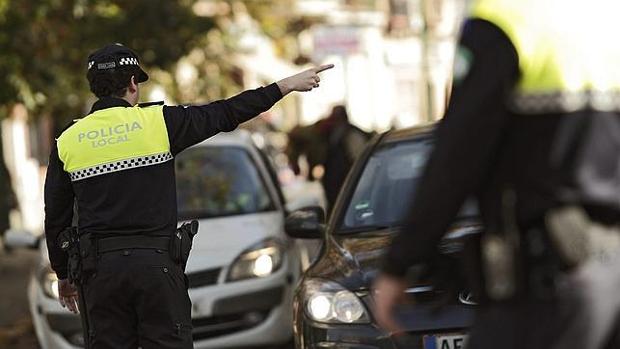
219, 181
386, 185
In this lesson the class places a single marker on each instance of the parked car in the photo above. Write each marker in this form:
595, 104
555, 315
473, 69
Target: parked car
333, 302
242, 268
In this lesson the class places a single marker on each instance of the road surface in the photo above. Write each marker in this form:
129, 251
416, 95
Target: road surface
16, 330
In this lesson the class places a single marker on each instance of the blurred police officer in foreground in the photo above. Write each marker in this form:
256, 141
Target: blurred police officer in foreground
533, 132
117, 164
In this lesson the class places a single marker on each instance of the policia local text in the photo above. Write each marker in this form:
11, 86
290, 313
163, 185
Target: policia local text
111, 135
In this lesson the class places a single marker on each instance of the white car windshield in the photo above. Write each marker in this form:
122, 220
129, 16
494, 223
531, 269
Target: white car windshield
219, 181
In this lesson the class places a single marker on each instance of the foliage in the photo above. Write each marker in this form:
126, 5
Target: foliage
44, 45
280, 23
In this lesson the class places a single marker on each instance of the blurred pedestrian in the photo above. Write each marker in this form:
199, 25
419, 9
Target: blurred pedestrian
533, 132
308, 141
333, 143
8, 200
345, 142
117, 164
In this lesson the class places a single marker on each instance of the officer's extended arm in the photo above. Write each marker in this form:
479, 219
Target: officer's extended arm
189, 125
59, 198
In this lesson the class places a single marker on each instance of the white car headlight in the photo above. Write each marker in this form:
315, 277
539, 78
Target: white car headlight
260, 260
49, 282
326, 301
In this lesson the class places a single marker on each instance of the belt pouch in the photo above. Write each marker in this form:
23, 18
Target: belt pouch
88, 254
578, 239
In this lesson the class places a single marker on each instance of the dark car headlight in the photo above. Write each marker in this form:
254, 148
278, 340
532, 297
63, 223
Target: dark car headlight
329, 302
262, 259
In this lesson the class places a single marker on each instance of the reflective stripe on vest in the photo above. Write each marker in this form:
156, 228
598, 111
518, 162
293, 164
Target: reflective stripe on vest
567, 51
114, 139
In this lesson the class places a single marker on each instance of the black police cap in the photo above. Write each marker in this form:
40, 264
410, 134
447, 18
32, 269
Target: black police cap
116, 56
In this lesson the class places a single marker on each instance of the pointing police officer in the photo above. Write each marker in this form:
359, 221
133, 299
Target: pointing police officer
116, 164
532, 131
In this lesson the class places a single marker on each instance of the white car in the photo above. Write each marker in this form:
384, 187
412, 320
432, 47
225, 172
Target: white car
242, 268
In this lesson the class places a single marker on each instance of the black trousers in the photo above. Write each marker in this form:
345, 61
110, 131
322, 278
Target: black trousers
138, 298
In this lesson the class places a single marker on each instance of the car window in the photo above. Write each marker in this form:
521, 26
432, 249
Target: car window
386, 187
219, 181
387, 184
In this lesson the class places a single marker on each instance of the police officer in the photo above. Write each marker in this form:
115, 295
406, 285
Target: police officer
117, 165
531, 131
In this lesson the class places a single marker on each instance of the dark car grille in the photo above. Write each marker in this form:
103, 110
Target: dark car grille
429, 295
425, 295
211, 327
203, 277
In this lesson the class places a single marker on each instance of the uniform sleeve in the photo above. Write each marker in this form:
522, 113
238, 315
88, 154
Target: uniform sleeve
59, 198
466, 141
189, 125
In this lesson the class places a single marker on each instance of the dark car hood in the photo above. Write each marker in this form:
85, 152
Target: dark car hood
355, 260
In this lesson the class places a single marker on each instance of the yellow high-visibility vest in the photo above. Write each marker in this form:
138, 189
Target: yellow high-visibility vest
569, 57
114, 139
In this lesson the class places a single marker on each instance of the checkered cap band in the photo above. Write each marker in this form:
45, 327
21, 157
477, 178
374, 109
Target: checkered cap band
122, 61
121, 165
128, 61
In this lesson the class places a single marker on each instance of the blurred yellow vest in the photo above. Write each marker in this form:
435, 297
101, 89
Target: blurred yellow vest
114, 139
569, 56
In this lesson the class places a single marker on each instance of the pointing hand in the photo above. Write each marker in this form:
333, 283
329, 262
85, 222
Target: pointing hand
304, 81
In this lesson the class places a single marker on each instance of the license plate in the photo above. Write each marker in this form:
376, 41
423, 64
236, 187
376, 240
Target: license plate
447, 341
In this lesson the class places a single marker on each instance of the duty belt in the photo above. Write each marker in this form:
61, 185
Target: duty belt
111, 244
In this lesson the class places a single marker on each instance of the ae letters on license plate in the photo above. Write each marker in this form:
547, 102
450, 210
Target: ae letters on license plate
451, 343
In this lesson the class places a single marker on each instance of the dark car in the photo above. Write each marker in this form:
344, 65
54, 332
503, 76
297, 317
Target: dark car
333, 301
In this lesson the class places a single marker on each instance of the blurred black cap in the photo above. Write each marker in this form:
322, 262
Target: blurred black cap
116, 56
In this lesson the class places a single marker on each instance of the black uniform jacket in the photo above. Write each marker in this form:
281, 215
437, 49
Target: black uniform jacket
482, 148
140, 200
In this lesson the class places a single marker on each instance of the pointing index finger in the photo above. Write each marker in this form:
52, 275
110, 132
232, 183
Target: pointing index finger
323, 67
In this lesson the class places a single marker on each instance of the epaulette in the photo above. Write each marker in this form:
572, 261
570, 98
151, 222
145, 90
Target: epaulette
150, 104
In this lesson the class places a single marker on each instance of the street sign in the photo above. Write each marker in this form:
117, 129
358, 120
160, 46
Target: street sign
336, 40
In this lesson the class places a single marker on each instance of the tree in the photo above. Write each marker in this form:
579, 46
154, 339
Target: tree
281, 23
44, 45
